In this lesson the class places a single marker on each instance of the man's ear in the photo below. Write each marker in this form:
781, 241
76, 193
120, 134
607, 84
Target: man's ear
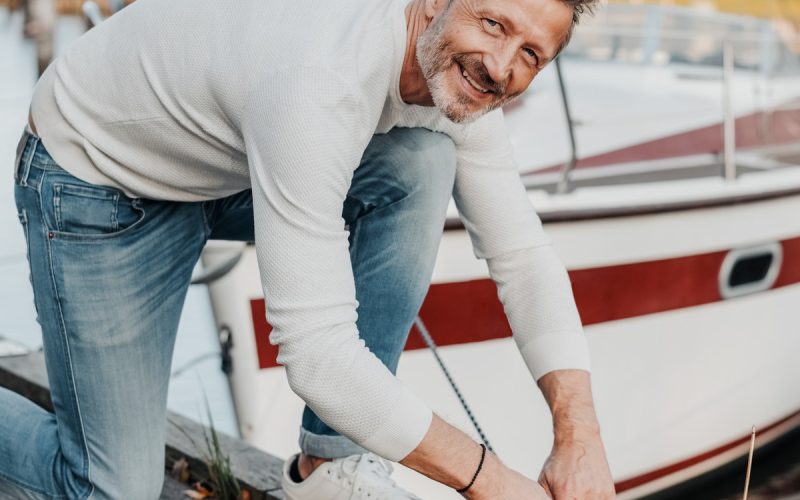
433, 7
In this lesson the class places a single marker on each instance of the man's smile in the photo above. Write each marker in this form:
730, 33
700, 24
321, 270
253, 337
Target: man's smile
471, 86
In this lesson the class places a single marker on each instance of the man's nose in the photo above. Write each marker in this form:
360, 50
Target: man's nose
499, 64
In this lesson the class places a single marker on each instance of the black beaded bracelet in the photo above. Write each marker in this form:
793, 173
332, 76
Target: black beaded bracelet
483, 455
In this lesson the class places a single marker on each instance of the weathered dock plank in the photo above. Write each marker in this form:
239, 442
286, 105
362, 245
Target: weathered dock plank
257, 471
173, 489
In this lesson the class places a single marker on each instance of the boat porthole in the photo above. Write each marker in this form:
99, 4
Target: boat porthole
750, 270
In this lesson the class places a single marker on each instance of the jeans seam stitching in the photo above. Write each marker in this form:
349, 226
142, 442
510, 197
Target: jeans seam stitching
56, 205
114, 221
26, 230
31, 487
63, 335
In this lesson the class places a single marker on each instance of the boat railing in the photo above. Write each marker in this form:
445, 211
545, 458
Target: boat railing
728, 116
735, 51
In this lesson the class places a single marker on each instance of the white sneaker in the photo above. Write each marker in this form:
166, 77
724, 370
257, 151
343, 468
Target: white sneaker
357, 477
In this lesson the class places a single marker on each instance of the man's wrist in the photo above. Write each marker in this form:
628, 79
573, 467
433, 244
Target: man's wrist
489, 481
575, 430
569, 395
576, 416
448, 456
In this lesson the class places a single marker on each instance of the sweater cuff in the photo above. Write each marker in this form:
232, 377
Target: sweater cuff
404, 430
556, 351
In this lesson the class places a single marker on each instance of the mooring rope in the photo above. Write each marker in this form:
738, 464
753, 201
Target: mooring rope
426, 337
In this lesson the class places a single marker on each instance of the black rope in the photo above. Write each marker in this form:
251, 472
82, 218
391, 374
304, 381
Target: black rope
432, 345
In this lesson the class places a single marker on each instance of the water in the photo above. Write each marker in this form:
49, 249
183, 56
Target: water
775, 474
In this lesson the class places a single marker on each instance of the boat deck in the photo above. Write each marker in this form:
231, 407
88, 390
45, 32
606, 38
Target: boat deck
671, 169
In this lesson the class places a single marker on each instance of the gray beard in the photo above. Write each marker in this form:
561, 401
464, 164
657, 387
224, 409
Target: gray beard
433, 61
455, 108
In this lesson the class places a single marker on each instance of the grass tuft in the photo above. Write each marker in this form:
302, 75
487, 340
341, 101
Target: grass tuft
221, 483
220, 475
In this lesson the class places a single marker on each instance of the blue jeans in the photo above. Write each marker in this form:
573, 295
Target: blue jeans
110, 274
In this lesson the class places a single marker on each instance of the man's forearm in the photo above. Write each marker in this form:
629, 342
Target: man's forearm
450, 457
446, 455
577, 466
569, 395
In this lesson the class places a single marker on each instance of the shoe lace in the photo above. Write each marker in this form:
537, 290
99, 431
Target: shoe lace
371, 475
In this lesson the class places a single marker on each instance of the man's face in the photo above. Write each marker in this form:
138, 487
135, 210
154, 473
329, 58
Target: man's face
476, 55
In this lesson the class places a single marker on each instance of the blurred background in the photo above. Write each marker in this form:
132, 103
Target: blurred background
662, 153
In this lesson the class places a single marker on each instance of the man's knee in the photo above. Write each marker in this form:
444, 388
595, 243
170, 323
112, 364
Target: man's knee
414, 162
428, 161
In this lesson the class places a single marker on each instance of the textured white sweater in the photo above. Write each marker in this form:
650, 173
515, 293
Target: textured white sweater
199, 99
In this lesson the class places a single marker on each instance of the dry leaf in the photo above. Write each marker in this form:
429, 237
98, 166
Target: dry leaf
180, 470
199, 492
196, 495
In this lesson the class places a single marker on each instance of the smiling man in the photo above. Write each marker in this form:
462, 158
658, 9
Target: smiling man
332, 133
473, 64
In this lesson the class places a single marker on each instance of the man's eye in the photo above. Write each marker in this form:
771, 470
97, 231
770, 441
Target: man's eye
532, 55
491, 24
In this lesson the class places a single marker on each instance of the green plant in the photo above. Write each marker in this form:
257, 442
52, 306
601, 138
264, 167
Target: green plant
225, 485
221, 483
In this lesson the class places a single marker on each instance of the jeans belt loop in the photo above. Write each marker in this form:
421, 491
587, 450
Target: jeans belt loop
26, 167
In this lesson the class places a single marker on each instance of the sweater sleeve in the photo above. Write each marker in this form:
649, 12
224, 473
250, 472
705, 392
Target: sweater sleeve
303, 144
532, 283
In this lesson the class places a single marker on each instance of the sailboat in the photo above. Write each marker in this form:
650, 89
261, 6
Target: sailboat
663, 156
670, 192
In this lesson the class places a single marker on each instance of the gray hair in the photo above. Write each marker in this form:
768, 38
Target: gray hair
579, 7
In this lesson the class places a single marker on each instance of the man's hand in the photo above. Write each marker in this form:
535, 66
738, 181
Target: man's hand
577, 467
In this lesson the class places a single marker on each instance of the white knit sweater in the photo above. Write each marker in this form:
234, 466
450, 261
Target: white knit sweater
200, 99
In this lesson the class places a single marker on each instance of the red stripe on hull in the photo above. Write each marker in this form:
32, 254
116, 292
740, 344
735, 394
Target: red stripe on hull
267, 353
624, 291
457, 313
750, 133
469, 311
790, 271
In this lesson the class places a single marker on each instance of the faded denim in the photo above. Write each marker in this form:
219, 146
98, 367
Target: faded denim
110, 274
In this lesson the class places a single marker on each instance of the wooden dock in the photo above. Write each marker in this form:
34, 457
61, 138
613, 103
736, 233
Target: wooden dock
258, 472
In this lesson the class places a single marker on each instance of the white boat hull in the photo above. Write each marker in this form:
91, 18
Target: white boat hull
678, 379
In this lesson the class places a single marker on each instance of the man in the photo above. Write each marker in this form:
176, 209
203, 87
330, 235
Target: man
178, 121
